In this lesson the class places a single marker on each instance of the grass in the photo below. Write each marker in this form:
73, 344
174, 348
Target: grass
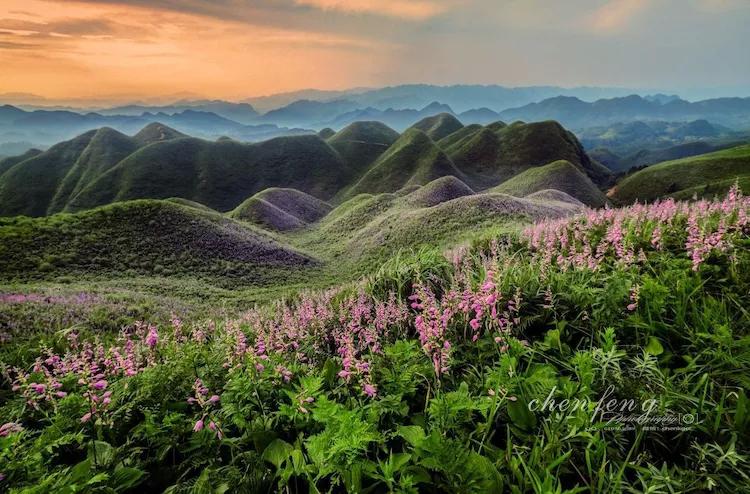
104, 166
145, 237
560, 175
6, 163
29, 187
704, 174
280, 209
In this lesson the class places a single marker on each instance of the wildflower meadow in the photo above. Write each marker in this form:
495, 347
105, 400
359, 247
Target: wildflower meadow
434, 374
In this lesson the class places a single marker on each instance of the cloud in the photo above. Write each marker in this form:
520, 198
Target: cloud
404, 9
615, 15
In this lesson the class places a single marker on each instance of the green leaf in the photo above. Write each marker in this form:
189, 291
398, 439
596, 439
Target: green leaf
277, 452
654, 346
413, 434
126, 477
520, 415
101, 453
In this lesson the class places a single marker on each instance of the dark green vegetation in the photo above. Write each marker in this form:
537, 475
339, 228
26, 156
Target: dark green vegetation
356, 387
623, 146
704, 175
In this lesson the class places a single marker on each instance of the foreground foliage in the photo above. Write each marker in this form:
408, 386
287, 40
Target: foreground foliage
421, 378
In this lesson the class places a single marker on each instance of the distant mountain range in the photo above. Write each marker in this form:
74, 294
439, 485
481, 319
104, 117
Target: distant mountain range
460, 97
398, 107
577, 114
45, 127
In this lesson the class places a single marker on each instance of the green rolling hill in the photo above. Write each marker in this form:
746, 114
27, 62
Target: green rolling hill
105, 166
560, 175
362, 231
10, 161
143, 237
439, 126
29, 187
452, 139
414, 159
491, 155
361, 143
703, 175
106, 148
281, 209
219, 174
156, 132
440, 190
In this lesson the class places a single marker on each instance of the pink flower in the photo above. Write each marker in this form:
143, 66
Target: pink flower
152, 339
369, 390
86, 418
10, 428
198, 426
214, 399
100, 384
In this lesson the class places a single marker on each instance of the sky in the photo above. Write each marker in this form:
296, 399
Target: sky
234, 49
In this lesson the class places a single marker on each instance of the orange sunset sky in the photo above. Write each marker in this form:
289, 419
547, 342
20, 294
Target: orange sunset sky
239, 48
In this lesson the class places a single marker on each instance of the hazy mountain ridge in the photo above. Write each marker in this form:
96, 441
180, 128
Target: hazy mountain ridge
575, 113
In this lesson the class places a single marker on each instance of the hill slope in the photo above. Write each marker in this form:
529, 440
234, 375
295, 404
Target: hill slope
710, 174
439, 126
106, 148
44, 182
29, 187
493, 154
438, 191
219, 174
147, 237
561, 175
281, 209
10, 161
361, 143
412, 160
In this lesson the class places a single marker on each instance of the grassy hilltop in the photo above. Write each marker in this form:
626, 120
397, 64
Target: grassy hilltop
703, 175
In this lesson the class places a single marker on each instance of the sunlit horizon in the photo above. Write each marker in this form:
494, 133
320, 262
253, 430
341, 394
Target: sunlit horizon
130, 50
